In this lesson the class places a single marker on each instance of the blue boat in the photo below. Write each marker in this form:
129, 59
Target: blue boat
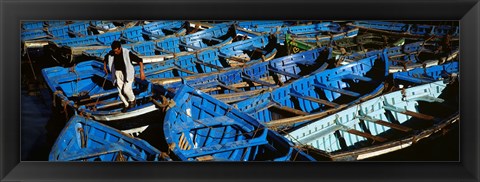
381, 125
409, 29
249, 25
319, 94
97, 46
299, 29
310, 33
157, 29
209, 60
237, 84
90, 92
84, 139
57, 32
406, 57
92, 40
53, 23
425, 75
30, 25
201, 128
102, 27
215, 36
128, 35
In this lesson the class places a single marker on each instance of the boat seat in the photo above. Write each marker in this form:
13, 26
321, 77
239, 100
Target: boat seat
104, 105
163, 50
128, 40
160, 71
407, 112
229, 87
338, 90
366, 135
239, 96
284, 73
100, 95
205, 85
384, 123
209, 65
290, 110
185, 70
258, 81
320, 101
229, 146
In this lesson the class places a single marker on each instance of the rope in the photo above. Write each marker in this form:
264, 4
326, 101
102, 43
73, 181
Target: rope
299, 146
104, 81
72, 69
57, 92
31, 65
64, 104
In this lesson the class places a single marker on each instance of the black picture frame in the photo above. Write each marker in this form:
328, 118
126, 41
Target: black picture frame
466, 11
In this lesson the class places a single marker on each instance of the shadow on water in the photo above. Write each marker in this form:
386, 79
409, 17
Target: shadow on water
443, 148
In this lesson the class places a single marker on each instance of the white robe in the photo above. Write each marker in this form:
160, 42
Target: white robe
130, 70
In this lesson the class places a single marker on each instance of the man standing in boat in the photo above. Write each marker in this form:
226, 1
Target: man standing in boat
119, 62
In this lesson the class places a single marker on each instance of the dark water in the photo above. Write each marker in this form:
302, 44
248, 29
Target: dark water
444, 148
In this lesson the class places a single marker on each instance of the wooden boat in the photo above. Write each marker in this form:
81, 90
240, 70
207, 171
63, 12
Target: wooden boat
321, 39
87, 90
407, 30
201, 128
84, 139
413, 61
237, 84
381, 125
319, 94
342, 44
